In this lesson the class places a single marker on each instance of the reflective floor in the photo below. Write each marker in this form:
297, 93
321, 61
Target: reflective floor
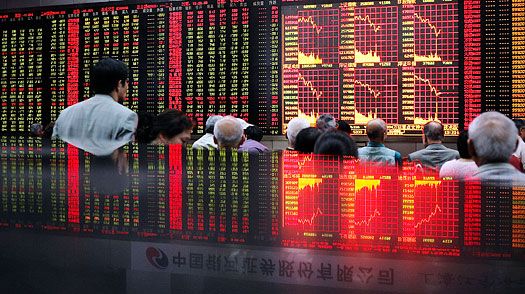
280, 218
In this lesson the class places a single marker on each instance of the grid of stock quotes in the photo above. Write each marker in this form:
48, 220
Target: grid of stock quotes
268, 61
203, 57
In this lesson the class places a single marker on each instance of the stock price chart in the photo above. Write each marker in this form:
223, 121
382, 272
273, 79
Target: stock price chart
366, 60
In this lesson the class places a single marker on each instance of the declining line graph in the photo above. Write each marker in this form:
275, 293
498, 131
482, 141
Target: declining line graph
436, 95
427, 21
372, 91
310, 20
435, 32
376, 94
318, 93
429, 83
367, 19
376, 34
318, 36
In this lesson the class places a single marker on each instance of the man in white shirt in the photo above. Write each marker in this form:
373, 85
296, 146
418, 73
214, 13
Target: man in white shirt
100, 124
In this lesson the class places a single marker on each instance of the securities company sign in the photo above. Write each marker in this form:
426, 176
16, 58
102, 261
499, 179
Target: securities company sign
321, 268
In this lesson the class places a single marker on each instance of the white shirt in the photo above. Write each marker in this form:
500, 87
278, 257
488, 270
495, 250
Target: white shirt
98, 125
520, 151
205, 142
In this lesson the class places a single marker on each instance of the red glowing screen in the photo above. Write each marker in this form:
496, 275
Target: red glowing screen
362, 60
328, 202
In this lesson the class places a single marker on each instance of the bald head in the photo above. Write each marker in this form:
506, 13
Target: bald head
433, 132
376, 130
228, 132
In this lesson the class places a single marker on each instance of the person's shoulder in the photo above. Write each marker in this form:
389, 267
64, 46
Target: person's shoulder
450, 149
417, 153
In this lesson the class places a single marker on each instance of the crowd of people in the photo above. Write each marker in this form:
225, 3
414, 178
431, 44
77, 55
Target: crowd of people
491, 149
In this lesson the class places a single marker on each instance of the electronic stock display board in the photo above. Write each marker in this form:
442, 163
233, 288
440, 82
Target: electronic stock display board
407, 62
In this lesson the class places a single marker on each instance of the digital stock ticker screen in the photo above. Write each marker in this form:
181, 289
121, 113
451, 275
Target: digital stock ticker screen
366, 60
407, 62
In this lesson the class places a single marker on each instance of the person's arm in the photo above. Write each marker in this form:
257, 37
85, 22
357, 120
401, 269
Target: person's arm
128, 126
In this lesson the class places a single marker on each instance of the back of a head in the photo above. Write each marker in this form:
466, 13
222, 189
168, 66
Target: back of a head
344, 127
228, 132
494, 136
106, 74
376, 130
462, 145
434, 131
519, 123
210, 123
305, 140
254, 133
171, 122
335, 143
168, 123
295, 125
326, 122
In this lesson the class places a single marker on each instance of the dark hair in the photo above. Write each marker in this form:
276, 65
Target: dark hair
254, 133
344, 127
463, 145
306, 138
519, 123
434, 131
335, 143
168, 123
106, 74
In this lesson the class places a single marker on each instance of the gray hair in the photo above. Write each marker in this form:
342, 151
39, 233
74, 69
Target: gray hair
228, 132
210, 123
326, 122
376, 128
434, 131
295, 125
494, 136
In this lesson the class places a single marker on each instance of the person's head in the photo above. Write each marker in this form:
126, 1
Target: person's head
169, 127
210, 123
254, 133
344, 127
228, 133
492, 138
520, 125
335, 143
462, 145
326, 122
305, 140
110, 77
433, 132
376, 130
295, 125
38, 130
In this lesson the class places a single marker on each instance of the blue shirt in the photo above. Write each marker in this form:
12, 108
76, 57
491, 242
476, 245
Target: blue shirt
377, 152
